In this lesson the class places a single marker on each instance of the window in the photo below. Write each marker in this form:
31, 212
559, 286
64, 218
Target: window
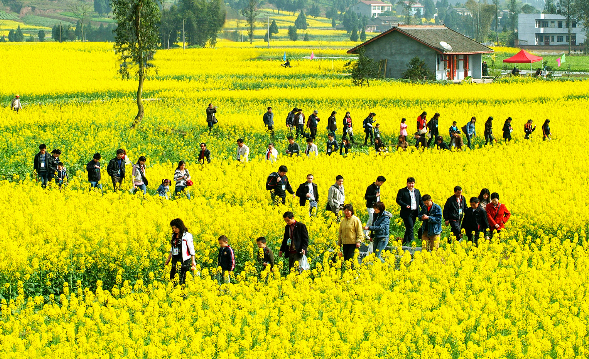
552, 23
552, 38
559, 39
540, 38
560, 24
574, 24
544, 23
567, 39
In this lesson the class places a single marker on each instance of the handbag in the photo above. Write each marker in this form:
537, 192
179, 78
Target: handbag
423, 131
189, 183
215, 120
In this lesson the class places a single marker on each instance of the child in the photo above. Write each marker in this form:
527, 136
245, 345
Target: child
226, 258
402, 144
379, 147
265, 256
377, 131
403, 131
475, 220
164, 188
61, 178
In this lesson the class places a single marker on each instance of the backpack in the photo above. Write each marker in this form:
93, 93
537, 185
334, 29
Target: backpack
271, 178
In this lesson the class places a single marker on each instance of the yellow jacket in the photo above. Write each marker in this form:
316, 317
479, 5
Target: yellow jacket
350, 231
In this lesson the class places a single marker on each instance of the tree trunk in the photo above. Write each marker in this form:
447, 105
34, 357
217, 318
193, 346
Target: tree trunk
140, 110
141, 71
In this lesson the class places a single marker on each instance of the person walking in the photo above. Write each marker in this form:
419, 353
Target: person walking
138, 173
546, 134
116, 169
211, 116
403, 129
204, 154
311, 148
432, 125
528, 129
271, 153
93, 169
454, 211
409, 199
182, 178
348, 130
41, 164
242, 151
345, 147
475, 221
507, 129
307, 191
453, 129
489, 131
421, 130
372, 195
431, 216
312, 123
332, 145
350, 233
336, 197
295, 240
269, 120
265, 255
380, 228
225, 260
290, 120
300, 122
470, 131
181, 250
332, 123
277, 183
368, 128
293, 147
52, 164
15, 104
497, 215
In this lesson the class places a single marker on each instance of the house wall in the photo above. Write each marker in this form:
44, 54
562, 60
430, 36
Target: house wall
362, 9
398, 50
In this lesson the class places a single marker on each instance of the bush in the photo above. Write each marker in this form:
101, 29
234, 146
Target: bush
417, 71
354, 36
301, 21
292, 33
364, 69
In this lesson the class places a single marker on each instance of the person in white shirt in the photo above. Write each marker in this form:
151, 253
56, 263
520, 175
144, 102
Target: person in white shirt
182, 250
15, 105
271, 153
242, 151
307, 191
182, 178
311, 148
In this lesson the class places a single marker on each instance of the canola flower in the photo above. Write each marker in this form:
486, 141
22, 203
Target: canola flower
83, 272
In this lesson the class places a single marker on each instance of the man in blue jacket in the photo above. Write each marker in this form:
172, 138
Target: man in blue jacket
431, 216
380, 228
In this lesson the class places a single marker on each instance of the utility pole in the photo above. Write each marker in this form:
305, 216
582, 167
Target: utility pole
569, 24
269, 32
183, 37
60, 31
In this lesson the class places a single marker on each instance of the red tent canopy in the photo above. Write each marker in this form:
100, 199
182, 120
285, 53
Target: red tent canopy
523, 57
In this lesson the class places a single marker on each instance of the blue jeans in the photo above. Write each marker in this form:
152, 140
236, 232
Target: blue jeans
43, 177
468, 137
179, 189
94, 184
379, 244
141, 187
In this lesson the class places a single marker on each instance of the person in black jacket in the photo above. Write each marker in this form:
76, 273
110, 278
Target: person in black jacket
372, 196
507, 129
440, 144
345, 147
40, 165
409, 198
93, 168
278, 184
332, 145
454, 211
475, 220
295, 241
52, 164
225, 259
433, 128
211, 118
204, 154
116, 169
308, 191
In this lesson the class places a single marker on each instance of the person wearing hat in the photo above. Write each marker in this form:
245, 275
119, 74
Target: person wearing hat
312, 124
332, 123
15, 104
52, 165
368, 129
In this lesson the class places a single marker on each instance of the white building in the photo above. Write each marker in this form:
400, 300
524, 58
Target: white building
371, 8
416, 8
548, 29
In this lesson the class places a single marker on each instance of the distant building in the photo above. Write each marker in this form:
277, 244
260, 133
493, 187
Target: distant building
548, 30
447, 53
416, 8
463, 11
371, 8
382, 23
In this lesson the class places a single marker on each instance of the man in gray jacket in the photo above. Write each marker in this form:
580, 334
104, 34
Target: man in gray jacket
336, 197
269, 121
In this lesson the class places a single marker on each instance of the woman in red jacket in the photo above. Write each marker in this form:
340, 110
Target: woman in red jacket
421, 130
497, 214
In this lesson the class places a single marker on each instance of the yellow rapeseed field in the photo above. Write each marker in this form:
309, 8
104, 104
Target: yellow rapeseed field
83, 272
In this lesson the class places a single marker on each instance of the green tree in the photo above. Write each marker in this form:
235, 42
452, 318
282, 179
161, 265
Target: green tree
529, 9
136, 39
429, 9
292, 33
354, 36
203, 20
362, 35
417, 71
514, 11
333, 24
273, 28
41, 35
18, 35
549, 7
406, 5
169, 26
315, 11
250, 11
301, 21
350, 20
306, 38
11, 36
363, 69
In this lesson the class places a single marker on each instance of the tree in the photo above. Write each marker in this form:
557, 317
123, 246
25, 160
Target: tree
203, 20
362, 35
273, 28
18, 35
407, 4
301, 21
169, 26
513, 12
529, 9
350, 20
136, 39
496, 4
81, 11
11, 36
363, 69
315, 11
429, 9
250, 11
306, 38
417, 71
14, 5
41, 35
549, 7
354, 36
292, 33
333, 24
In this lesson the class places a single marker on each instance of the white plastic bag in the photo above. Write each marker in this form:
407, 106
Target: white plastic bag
304, 264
